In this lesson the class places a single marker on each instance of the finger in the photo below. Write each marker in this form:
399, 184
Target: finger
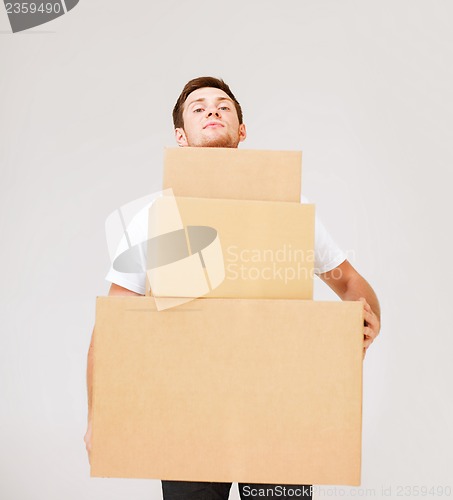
370, 318
367, 342
87, 443
365, 303
369, 333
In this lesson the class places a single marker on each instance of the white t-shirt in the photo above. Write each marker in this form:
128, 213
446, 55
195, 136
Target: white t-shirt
327, 253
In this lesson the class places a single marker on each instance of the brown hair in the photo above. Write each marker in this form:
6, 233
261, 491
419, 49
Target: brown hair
199, 83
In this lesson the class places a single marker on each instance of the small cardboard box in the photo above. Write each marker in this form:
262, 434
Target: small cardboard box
233, 173
261, 391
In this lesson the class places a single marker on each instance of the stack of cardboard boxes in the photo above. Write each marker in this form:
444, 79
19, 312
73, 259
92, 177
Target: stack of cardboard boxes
252, 381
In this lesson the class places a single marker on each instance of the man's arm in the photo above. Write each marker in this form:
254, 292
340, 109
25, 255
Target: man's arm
114, 290
348, 284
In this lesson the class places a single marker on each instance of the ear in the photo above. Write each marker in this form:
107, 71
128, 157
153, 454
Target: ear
181, 138
242, 132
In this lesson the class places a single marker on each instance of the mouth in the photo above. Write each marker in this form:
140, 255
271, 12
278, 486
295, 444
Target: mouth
213, 125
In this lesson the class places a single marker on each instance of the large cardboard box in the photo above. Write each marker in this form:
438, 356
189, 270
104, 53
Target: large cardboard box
233, 173
231, 248
265, 391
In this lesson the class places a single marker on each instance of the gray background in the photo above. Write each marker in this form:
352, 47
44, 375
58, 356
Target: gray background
363, 88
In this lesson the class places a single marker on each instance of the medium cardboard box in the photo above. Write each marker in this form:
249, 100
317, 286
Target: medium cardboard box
233, 173
262, 391
232, 249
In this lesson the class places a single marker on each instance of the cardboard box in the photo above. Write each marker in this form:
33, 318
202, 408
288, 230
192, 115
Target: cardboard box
232, 249
264, 391
230, 173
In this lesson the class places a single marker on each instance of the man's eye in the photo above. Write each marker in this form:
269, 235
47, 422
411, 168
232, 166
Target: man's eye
198, 110
225, 108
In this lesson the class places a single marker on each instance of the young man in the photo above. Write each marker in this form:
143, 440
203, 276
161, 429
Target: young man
207, 114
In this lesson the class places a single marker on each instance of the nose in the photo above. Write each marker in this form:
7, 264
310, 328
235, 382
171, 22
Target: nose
212, 110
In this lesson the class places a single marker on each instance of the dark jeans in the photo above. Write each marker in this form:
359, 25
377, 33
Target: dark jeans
185, 490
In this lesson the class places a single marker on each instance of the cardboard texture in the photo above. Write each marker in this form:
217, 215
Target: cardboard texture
231, 173
267, 249
265, 391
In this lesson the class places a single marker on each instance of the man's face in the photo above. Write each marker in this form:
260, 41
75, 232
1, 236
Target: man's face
210, 120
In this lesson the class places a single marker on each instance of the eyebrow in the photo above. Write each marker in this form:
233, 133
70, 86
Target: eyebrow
202, 99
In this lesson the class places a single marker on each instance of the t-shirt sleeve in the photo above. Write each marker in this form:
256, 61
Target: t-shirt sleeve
137, 233
328, 254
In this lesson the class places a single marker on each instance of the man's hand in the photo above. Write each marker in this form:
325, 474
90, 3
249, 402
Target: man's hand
348, 284
372, 325
87, 440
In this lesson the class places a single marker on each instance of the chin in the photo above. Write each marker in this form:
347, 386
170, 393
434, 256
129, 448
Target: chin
218, 142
